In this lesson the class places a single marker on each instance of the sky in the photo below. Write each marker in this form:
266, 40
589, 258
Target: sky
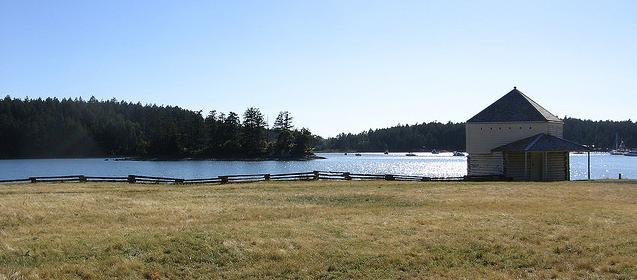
337, 66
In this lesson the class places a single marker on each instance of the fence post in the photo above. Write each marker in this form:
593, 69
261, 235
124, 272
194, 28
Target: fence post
316, 175
224, 179
347, 176
33, 179
266, 177
131, 179
82, 179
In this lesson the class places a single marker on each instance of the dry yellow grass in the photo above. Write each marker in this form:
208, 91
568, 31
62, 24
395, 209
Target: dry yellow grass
319, 230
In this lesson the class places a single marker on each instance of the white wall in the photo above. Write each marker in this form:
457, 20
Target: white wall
483, 137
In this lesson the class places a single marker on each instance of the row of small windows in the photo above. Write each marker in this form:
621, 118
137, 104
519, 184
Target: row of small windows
499, 128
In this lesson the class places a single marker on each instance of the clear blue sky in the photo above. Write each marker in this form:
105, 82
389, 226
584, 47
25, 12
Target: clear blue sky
338, 66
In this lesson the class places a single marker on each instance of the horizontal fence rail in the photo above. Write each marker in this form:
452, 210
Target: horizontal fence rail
248, 178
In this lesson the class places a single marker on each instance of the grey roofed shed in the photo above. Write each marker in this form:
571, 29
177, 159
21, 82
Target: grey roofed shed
515, 106
542, 157
541, 143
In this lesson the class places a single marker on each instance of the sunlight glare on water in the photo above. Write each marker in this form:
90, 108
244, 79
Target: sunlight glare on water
423, 164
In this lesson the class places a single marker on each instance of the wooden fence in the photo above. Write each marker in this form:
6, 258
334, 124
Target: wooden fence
300, 176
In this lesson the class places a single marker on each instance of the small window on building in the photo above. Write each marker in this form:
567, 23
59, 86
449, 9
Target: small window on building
491, 128
530, 127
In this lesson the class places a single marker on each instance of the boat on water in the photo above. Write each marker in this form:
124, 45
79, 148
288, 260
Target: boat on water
632, 153
357, 154
386, 152
620, 150
434, 152
620, 147
410, 154
458, 154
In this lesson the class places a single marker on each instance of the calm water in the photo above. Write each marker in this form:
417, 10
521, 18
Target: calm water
425, 164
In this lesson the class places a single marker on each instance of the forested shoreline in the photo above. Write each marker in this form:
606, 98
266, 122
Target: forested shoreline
53, 128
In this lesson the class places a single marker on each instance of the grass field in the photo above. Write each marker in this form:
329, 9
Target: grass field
323, 230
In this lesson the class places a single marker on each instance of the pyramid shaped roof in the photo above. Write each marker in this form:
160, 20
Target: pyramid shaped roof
541, 143
515, 106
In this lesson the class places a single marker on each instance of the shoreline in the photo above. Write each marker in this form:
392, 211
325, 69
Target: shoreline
306, 158
122, 158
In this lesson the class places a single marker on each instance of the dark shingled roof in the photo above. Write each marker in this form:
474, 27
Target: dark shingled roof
541, 143
514, 107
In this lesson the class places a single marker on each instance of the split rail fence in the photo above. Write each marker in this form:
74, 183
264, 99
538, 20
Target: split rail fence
300, 176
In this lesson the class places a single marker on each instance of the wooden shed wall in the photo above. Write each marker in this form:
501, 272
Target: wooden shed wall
485, 164
555, 166
514, 166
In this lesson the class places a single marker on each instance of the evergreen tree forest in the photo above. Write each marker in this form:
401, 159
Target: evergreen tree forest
401, 138
43, 128
601, 134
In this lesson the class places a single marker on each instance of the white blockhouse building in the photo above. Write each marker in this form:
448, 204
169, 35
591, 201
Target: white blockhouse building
517, 138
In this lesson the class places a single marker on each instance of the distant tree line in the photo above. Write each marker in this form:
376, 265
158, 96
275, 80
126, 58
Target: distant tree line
404, 138
602, 134
77, 128
451, 136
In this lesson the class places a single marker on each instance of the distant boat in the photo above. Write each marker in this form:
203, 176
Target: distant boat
434, 152
458, 154
345, 153
620, 149
357, 154
386, 152
410, 154
632, 153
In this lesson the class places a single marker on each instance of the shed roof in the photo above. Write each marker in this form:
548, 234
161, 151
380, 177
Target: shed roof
541, 143
514, 107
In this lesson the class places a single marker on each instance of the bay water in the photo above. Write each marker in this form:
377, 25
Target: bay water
603, 166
